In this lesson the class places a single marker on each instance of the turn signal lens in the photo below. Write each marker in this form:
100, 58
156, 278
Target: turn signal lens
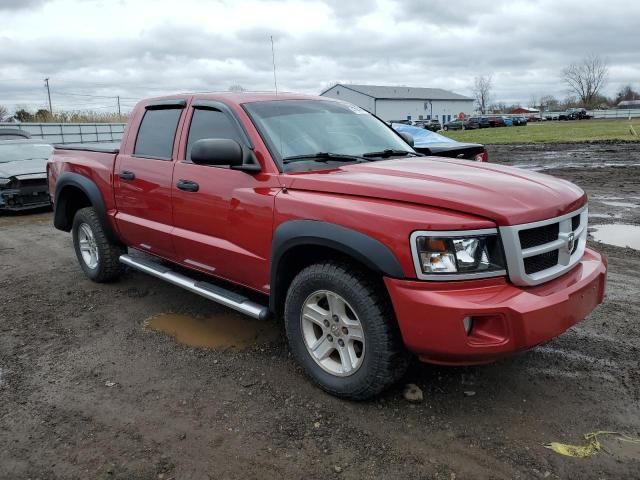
482, 157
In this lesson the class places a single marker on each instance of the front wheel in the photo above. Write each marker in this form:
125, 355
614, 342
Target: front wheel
341, 329
98, 258
445, 128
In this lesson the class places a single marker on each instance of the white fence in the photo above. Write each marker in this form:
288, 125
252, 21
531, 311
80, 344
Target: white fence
616, 113
604, 114
68, 133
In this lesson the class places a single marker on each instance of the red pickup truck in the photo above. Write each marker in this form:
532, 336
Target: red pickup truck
314, 211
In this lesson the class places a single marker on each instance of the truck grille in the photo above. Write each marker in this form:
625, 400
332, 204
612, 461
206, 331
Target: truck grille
540, 262
540, 251
539, 236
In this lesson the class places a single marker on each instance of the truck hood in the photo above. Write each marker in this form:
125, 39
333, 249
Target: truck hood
505, 195
19, 168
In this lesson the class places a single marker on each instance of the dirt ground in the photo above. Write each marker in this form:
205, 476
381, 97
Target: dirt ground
87, 391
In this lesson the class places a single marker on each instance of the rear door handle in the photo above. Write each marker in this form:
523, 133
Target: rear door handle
188, 185
127, 175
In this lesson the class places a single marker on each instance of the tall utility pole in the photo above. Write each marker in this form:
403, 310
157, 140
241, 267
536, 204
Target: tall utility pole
46, 84
119, 114
273, 58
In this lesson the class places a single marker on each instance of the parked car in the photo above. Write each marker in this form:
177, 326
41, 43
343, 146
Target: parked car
432, 125
519, 121
458, 124
13, 133
575, 114
535, 118
23, 174
508, 121
434, 144
496, 122
335, 224
483, 122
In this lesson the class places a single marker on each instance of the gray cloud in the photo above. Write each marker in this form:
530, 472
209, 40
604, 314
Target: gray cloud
7, 5
523, 44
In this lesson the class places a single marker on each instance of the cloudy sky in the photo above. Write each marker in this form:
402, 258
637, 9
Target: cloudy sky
134, 48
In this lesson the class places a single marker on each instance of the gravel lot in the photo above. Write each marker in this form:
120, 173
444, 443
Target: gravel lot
86, 391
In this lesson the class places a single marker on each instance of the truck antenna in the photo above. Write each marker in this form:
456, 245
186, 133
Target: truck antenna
273, 58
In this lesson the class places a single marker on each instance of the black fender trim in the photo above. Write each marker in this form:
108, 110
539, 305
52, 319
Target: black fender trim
363, 248
91, 190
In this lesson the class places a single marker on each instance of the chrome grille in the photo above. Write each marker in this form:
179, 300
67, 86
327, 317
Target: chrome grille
541, 251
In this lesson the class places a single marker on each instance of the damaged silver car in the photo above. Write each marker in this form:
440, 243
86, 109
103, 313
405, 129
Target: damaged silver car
23, 174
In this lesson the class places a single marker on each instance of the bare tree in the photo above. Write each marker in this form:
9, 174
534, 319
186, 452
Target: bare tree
499, 107
4, 113
626, 93
585, 79
482, 91
549, 103
237, 88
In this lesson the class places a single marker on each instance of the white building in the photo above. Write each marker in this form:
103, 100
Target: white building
403, 103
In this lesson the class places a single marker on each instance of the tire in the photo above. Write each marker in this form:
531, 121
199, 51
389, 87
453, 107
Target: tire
98, 258
445, 128
383, 358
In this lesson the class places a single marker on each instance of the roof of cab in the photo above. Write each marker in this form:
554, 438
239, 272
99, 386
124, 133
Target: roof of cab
234, 97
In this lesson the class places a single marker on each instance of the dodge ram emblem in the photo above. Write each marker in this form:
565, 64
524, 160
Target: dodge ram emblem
571, 241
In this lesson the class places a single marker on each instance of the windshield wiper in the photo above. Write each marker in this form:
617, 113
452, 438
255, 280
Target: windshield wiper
390, 153
325, 157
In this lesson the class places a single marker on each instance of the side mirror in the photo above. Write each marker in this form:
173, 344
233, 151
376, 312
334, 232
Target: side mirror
217, 151
407, 137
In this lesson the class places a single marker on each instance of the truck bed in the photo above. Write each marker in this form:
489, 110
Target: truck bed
110, 147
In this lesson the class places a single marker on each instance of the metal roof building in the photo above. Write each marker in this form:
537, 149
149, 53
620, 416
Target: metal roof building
629, 104
403, 103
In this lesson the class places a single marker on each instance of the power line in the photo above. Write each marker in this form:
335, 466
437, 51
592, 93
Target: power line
65, 93
273, 58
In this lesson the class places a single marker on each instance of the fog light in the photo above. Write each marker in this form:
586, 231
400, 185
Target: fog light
468, 324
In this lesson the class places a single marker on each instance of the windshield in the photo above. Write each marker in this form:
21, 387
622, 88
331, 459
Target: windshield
16, 151
304, 128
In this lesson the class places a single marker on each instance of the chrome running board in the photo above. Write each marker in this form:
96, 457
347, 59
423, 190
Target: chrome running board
207, 290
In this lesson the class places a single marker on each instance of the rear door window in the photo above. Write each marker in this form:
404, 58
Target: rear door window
157, 133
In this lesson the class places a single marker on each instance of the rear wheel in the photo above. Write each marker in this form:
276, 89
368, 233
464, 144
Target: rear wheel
98, 257
445, 128
341, 329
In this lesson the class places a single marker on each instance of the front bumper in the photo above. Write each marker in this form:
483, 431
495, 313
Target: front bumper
506, 319
33, 196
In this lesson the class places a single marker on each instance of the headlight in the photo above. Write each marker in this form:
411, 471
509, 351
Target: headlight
5, 182
457, 255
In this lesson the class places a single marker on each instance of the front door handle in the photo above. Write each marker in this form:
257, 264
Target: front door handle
127, 175
188, 185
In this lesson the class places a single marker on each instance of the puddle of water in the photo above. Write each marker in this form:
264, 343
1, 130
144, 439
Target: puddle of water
225, 331
560, 165
604, 215
617, 234
621, 204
